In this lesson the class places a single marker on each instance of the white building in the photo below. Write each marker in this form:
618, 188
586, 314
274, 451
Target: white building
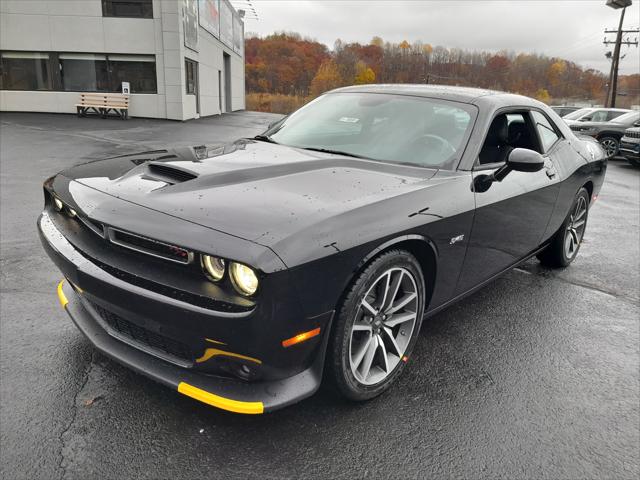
182, 58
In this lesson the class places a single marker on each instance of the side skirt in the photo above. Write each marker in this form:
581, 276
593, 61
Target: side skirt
460, 296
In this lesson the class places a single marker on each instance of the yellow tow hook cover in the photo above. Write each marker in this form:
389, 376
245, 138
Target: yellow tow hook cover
61, 296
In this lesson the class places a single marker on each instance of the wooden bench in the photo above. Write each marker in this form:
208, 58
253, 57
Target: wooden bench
103, 103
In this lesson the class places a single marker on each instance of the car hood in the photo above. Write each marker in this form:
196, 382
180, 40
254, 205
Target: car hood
254, 190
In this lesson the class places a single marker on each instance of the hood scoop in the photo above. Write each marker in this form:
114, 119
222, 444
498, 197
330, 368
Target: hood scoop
169, 173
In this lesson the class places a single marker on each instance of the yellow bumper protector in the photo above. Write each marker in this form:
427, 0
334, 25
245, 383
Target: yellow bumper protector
250, 408
212, 352
61, 296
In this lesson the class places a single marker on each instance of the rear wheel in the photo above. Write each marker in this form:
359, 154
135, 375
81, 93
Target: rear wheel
377, 325
565, 244
611, 146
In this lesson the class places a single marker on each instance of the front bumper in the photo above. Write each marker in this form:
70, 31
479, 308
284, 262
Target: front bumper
88, 284
630, 150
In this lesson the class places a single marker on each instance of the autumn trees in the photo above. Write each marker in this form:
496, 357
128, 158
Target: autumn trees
287, 64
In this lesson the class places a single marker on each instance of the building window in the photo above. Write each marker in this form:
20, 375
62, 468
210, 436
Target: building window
127, 8
138, 70
25, 71
83, 72
191, 72
77, 72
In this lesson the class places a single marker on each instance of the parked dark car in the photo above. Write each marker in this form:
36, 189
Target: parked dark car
630, 145
608, 133
242, 274
563, 110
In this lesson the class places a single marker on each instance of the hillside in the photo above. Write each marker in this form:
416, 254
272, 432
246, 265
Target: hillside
289, 70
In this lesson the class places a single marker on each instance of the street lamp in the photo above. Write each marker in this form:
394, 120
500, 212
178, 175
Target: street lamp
616, 4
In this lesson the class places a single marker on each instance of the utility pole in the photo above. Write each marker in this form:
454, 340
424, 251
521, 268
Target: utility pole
610, 101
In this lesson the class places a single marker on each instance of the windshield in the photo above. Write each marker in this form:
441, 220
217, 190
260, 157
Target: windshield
627, 119
391, 128
577, 114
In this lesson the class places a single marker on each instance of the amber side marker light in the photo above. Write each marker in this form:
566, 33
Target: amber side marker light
301, 337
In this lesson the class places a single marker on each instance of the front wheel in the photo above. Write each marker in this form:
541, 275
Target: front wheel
611, 145
565, 244
377, 325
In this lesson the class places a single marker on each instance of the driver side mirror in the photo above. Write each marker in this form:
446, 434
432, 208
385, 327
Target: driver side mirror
525, 160
519, 160
585, 119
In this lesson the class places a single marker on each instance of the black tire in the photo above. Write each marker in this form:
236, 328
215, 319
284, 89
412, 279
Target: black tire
555, 255
611, 145
339, 361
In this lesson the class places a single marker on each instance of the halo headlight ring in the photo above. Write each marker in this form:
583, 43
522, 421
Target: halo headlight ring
243, 278
213, 267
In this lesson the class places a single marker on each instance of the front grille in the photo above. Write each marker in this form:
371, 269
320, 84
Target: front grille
632, 134
161, 345
149, 246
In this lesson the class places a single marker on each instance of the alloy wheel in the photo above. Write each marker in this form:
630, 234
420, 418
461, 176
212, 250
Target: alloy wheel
575, 228
383, 327
610, 146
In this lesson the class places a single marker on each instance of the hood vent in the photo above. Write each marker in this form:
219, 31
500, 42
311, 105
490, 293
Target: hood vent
170, 173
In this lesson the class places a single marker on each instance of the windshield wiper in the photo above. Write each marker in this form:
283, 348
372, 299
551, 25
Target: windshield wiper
265, 138
335, 152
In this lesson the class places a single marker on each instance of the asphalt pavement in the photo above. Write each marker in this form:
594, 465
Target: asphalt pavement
535, 376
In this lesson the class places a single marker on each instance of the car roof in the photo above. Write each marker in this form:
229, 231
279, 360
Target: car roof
445, 92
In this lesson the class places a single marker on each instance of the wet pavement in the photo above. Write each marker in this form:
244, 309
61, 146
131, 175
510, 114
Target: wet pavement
535, 376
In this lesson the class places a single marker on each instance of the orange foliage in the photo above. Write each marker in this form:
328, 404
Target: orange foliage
285, 63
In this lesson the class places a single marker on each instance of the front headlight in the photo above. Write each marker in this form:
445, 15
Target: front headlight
244, 278
213, 267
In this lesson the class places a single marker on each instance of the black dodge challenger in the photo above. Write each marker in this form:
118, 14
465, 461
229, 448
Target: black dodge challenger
241, 274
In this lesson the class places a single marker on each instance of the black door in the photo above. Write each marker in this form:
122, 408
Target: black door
227, 82
511, 216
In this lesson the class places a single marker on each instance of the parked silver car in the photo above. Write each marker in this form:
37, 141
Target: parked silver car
593, 114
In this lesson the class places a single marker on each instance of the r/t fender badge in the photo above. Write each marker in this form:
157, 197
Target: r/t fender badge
457, 239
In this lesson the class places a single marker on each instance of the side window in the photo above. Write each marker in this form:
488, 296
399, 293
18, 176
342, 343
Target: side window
613, 114
599, 116
548, 135
508, 131
190, 76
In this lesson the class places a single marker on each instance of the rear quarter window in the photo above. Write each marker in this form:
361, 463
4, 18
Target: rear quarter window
546, 130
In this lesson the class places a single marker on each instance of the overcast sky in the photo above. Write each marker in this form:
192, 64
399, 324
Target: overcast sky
571, 29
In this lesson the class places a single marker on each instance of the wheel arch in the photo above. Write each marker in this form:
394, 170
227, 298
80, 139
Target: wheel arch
419, 246
609, 133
